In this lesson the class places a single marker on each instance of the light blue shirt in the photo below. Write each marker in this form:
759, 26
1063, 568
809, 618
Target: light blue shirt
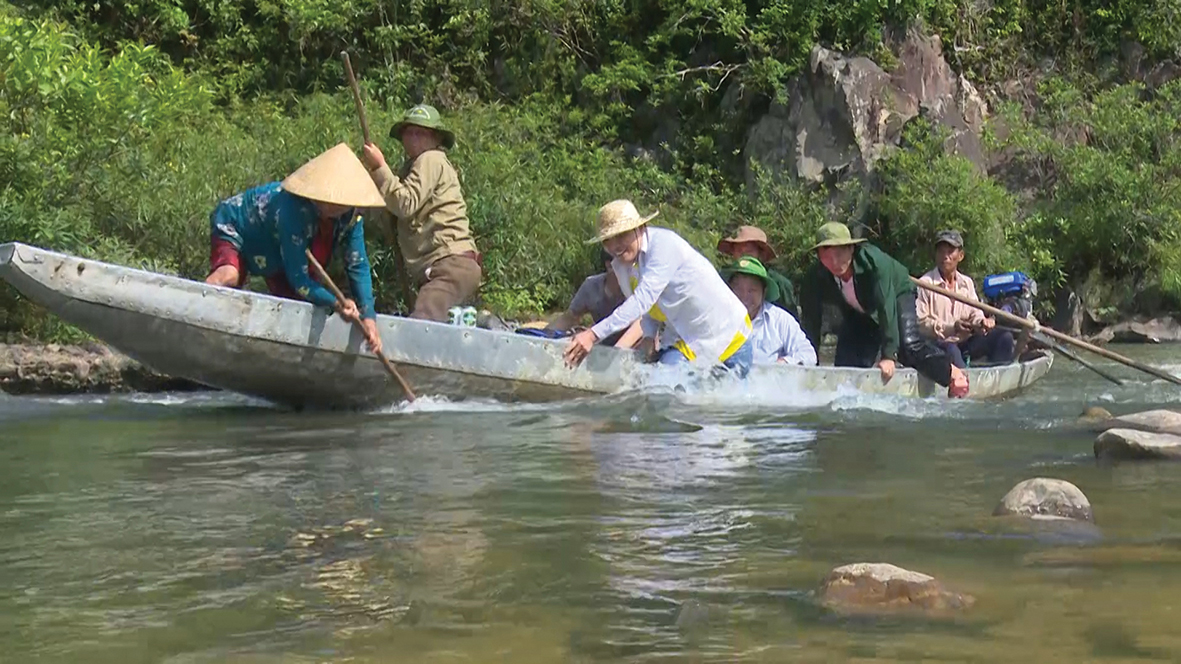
777, 335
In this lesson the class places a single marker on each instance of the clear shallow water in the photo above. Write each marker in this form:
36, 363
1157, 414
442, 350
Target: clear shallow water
211, 528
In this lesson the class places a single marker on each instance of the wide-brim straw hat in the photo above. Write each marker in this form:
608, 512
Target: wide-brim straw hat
835, 234
336, 176
748, 234
619, 217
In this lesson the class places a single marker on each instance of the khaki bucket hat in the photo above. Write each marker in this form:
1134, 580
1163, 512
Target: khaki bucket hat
835, 234
747, 234
424, 115
619, 217
336, 176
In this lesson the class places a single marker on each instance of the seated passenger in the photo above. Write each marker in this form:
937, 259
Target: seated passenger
265, 231
752, 241
674, 284
776, 335
598, 296
961, 330
877, 300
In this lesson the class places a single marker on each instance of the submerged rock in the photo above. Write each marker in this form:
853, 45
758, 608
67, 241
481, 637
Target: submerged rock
1133, 444
1094, 414
1156, 421
1152, 331
54, 369
1042, 496
877, 587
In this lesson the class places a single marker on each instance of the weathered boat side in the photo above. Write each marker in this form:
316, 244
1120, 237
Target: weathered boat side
294, 353
290, 351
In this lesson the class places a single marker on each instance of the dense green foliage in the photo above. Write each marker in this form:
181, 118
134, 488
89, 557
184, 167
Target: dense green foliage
115, 149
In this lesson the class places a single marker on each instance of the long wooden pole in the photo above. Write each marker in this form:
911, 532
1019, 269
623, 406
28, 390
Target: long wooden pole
1055, 334
348, 70
328, 283
403, 281
1066, 353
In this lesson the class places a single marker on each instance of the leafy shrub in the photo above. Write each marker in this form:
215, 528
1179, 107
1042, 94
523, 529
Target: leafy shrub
923, 190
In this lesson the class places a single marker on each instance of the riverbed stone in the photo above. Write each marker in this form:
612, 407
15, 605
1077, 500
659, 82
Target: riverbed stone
1166, 329
1043, 496
1095, 414
1133, 444
1154, 421
31, 368
877, 587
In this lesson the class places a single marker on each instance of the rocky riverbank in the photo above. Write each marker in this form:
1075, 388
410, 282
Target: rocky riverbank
30, 368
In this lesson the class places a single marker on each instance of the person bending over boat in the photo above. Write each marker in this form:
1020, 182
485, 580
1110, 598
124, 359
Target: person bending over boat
598, 296
877, 300
776, 336
961, 330
752, 241
674, 284
434, 234
266, 230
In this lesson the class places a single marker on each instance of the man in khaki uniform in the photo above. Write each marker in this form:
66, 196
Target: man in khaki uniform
425, 197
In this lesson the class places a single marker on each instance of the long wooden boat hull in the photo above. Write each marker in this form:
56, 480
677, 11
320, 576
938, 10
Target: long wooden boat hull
293, 353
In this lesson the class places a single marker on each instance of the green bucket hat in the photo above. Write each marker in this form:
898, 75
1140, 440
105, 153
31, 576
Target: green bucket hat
754, 267
424, 115
834, 234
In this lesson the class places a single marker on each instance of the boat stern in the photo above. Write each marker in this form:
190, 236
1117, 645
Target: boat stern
7, 253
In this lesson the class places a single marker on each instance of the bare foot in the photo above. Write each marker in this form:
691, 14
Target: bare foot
959, 384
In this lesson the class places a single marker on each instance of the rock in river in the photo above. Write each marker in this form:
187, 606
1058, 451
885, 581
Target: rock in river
878, 587
1156, 421
1132, 444
1042, 496
54, 369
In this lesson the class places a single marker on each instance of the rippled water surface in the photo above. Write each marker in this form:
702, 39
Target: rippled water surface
658, 527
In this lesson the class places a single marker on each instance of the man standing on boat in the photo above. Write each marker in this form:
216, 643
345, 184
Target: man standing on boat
266, 230
752, 241
961, 330
877, 300
434, 234
673, 283
776, 336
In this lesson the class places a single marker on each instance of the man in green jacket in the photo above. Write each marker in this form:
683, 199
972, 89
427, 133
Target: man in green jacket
752, 241
877, 300
425, 196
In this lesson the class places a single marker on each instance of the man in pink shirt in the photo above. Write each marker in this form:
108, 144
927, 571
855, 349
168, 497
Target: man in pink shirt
962, 330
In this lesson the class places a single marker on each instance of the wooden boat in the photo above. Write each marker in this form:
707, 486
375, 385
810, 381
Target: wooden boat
296, 354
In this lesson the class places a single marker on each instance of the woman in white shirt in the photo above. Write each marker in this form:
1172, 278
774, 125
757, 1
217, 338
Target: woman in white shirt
673, 284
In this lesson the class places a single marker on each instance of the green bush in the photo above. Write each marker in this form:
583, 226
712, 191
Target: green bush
1113, 204
922, 190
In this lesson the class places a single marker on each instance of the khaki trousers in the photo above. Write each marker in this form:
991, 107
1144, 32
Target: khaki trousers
450, 281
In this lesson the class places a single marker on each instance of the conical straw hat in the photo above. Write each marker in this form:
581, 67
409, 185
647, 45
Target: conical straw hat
619, 217
336, 176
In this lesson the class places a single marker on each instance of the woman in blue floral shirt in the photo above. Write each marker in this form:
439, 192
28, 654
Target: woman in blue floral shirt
264, 231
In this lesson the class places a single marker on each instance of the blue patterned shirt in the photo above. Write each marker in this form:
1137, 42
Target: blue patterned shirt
271, 228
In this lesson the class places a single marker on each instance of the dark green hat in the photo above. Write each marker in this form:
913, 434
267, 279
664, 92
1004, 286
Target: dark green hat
834, 234
754, 267
424, 115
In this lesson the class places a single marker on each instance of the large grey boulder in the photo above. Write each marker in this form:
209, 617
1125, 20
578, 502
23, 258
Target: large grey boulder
878, 587
844, 113
1133, 444
1166, 329
1043, 497
1154, 421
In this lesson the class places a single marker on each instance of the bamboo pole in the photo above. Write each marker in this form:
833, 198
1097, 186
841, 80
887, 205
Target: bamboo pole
1055, 334
331, 285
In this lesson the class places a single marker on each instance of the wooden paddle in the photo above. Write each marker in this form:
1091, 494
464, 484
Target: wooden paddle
399, 264
327, 281
1055, 334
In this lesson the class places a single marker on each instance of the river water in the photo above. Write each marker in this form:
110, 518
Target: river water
657, 527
